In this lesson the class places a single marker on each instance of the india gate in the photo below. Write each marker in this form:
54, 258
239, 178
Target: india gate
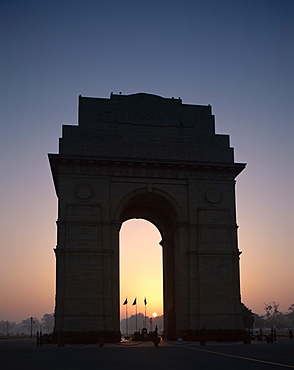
145, 156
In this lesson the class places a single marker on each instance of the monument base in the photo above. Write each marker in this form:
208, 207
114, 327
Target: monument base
207, 335
85, 337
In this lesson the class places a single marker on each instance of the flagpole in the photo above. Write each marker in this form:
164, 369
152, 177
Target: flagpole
145, 302
126, 303
135, 304
136, 317
127, 328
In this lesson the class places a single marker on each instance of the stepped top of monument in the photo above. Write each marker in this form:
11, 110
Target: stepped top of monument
145, 97
145, 127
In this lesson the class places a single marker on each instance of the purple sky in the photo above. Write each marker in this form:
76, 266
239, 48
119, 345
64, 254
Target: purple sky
236, 55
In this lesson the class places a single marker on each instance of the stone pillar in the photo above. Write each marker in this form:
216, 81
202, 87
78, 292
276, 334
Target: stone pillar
182, 285
194, 290
169, 287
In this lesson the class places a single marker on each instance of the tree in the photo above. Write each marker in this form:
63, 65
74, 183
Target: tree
48, 322
6, 327
248, 318
271, 312
290, 314
259, 321
30, 324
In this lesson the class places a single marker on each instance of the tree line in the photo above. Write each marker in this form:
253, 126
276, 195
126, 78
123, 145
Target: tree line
272, 318
28, 326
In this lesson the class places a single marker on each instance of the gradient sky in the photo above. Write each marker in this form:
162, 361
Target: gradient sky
236, 55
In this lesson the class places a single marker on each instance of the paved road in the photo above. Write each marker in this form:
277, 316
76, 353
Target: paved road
23, 354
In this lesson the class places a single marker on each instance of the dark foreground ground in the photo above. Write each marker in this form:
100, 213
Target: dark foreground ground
24, 354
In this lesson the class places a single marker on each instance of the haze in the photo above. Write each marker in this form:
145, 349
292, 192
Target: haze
235, 55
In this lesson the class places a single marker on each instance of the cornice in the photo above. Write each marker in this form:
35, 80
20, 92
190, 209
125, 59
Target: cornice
142, 168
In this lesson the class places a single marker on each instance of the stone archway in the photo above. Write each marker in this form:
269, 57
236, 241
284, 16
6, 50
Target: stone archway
164, 214
148, 157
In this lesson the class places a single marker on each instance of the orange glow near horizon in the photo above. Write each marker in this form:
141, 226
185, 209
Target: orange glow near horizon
141, 267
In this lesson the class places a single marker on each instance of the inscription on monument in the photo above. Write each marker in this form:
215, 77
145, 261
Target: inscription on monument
148, 117
214, 235
83, 232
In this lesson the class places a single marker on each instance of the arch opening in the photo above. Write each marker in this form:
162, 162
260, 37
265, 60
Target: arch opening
164, 215
141, 276
152, 207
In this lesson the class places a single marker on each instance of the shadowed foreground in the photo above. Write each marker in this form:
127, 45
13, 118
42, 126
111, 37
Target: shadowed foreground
24, 354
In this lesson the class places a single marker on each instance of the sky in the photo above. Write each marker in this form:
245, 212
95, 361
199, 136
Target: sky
236, 55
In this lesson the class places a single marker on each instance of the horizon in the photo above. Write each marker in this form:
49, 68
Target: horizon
235, 56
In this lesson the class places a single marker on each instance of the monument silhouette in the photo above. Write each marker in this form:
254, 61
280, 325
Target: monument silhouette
145, 156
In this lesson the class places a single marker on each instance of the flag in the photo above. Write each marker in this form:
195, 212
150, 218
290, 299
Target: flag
145, 302
135, 302
126, 301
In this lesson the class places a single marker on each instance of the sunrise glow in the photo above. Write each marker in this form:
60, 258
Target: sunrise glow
234, 55
141, 266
